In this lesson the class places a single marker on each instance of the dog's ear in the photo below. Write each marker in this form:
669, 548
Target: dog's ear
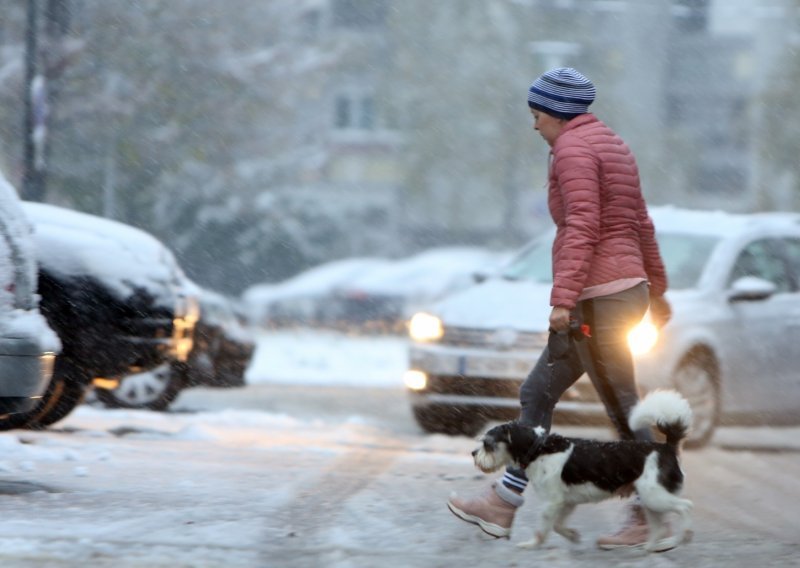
505, 432
527, 443
495, 435
519, 438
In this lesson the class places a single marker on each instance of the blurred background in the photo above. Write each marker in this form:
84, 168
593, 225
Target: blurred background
258, 138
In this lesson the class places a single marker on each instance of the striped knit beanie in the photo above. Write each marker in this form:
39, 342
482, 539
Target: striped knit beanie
562, 93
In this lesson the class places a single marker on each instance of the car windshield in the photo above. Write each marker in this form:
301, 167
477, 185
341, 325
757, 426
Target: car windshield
684, 254
532, 263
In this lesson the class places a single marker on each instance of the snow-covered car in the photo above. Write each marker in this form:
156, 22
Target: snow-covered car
223, 341
114, 295
27, 344
383, 299
303, 299
730, 346
222, 350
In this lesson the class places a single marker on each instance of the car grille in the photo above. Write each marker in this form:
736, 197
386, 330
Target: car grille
143, 329
499, 339
441, 384
582, 391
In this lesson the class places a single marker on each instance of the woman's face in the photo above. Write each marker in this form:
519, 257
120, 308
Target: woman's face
549, 127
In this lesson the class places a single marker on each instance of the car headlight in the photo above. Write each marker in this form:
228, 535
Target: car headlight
415, 380
425, 327
643, 337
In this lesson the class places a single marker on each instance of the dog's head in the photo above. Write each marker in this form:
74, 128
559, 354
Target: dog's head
508, 444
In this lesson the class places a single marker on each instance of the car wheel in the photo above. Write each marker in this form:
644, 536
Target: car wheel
65, 391
697, 379
70, 396
153, 390
450, 421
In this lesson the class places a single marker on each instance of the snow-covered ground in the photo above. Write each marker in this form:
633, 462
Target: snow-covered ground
66, 491
237, 477
328, 358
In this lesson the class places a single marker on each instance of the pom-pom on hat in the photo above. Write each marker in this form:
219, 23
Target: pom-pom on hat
562, 92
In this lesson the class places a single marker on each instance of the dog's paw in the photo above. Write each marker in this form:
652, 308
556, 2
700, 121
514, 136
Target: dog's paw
570, 534
536, 542
530, 544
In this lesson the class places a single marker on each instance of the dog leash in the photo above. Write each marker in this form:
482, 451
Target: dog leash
558, 348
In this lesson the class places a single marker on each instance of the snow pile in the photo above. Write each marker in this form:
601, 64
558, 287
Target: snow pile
328, 358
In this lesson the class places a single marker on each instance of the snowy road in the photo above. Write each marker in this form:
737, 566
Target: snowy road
346, 481
336, 476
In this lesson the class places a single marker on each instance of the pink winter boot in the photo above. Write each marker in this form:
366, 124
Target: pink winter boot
633, 533
493, 510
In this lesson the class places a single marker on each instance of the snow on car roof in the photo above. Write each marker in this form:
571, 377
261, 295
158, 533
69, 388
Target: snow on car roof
715, 223
429, 272
317, 280
123, 257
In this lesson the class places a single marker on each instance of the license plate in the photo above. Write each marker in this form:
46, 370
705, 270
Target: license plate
494, 367
434, 363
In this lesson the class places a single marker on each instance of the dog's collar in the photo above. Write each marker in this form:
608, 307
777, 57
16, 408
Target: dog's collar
533, 450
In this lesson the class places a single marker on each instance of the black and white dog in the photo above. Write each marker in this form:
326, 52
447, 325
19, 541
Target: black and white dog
566, 472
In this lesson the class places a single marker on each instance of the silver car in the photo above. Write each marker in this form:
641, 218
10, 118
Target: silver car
27, 344
730, 346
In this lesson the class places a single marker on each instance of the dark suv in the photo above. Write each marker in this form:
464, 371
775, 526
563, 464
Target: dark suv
114, 295
223, 349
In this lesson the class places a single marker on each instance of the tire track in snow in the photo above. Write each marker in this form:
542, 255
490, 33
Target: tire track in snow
306, 521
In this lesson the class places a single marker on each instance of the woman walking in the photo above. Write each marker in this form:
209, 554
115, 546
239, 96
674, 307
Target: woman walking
607, 270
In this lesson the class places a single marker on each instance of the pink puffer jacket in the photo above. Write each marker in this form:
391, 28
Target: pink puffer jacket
604, 232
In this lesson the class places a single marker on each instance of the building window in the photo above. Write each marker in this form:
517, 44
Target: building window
355, 112
367, 118
675, 109
691, 15
359, 13
343, 117
311, 22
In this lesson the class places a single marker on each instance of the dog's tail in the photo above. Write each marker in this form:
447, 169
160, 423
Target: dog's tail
667, 410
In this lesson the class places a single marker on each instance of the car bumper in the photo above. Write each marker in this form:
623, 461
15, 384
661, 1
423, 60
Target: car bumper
571, 409
488, 381
150, 341
25, 372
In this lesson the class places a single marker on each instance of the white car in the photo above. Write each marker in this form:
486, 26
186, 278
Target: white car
384, 298
730, 347
27, 343
304, 298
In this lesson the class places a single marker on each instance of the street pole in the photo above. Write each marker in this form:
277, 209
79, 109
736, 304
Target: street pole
30, 183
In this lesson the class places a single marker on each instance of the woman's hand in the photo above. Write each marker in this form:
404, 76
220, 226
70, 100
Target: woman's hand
559, 319
660, 310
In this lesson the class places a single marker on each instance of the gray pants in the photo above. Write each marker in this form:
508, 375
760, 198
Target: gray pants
605, 357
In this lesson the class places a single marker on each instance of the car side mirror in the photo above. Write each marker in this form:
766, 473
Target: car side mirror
751, 288
480, 277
